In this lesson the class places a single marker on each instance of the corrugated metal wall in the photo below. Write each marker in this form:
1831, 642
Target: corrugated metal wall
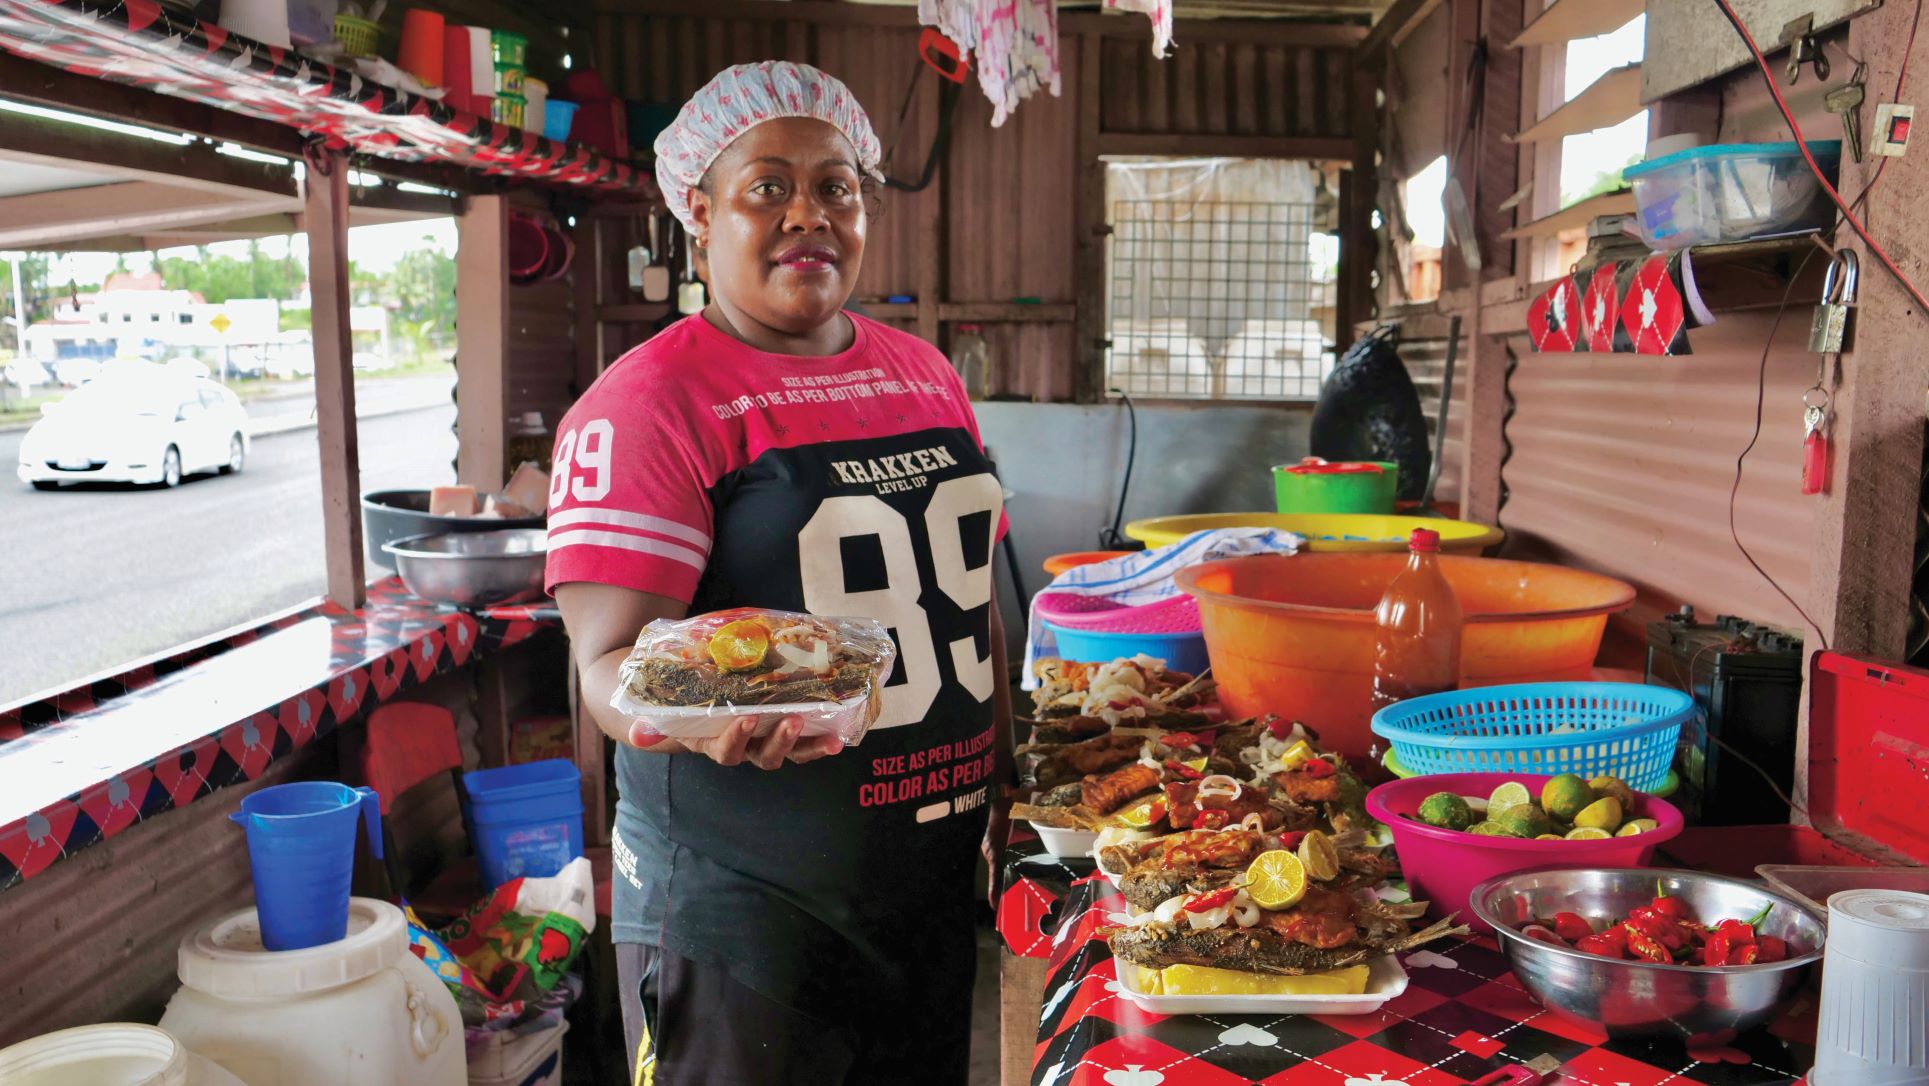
1226, 88
1008, 226
1623, 463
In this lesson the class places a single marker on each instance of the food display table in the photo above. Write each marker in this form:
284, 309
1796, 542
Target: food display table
1462, 1018
82, 766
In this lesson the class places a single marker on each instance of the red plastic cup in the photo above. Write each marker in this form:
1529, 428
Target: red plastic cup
421, 54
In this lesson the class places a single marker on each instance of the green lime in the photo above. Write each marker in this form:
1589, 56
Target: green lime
1486, 829
1525, 820
1447, 811
1511, 794
1548, 837
1637, 825
1602, 814
1588, 833
1565, 796
1613, 786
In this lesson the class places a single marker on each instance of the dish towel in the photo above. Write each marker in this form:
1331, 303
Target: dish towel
1016, 42
1144, 577
1159, 11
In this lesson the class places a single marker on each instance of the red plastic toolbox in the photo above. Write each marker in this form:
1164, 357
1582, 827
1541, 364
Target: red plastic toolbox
1869, 753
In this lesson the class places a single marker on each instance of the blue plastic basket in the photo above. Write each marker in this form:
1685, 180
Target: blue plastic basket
528, 819
1623, 730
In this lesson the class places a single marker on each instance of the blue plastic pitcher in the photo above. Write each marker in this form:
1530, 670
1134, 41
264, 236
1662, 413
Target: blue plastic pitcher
301, 844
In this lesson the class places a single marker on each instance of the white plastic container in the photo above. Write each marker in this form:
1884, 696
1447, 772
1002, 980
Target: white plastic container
1873, 1029
1730, 192
113, 1054
534, 1060
363, 1009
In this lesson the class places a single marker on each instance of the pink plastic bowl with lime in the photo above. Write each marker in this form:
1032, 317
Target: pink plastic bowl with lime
1443, 866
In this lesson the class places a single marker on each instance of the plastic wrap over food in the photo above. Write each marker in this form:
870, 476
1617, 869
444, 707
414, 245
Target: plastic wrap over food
689, 678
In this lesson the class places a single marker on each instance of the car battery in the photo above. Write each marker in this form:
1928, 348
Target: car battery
1747, 680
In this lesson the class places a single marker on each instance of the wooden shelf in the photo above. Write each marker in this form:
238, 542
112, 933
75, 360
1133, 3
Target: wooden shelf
1578, 215
1607, 101
1568, 20
160, 50
633, 312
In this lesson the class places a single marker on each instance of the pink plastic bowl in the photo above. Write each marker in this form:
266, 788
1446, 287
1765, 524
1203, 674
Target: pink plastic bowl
1444, 866
1178, 615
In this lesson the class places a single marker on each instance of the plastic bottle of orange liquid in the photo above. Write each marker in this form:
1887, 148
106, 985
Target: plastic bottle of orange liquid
1416, 647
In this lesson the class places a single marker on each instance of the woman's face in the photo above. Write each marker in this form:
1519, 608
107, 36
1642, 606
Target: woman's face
781, 217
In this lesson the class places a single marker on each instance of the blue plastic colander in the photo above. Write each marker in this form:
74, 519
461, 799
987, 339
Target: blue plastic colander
1622, 730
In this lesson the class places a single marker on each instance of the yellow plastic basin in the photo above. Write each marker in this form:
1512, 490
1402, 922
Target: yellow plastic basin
1293, 634
1324, 532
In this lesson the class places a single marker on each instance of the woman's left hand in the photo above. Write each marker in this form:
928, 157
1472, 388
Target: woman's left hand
997, 831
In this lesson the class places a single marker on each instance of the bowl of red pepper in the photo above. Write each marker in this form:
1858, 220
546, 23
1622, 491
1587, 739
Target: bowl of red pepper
1641, 951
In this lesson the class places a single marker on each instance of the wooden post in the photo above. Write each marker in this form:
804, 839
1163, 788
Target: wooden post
482, 341
1359, 195
325, 205
1089, 329
1859, 579
933, 254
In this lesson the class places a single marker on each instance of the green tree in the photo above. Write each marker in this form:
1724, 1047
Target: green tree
37, 292
218, 277
422, 287
1605, 181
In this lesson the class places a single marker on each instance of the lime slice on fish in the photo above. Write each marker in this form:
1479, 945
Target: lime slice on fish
1141, 814
1276, 880
1318, 856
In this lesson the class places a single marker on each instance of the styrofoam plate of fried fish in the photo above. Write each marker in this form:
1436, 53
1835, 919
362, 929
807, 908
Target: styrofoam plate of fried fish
1386, 979
1064, 843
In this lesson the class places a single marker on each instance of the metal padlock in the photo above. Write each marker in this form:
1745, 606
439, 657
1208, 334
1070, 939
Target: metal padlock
1830, 329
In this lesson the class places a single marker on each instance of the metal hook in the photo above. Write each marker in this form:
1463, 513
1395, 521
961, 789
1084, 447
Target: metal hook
1845, 261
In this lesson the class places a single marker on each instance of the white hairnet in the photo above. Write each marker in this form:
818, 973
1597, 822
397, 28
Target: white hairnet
737, 100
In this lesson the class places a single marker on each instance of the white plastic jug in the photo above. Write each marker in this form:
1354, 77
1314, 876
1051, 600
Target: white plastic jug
114, 1054
363, 1010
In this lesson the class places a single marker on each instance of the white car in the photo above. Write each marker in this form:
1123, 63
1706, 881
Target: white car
146, 427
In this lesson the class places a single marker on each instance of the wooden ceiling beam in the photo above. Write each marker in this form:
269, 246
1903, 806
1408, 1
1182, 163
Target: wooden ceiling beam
1391, 27
41, 219
46, 142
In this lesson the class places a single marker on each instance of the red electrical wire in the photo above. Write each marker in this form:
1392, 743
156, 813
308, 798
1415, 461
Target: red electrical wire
1801, 142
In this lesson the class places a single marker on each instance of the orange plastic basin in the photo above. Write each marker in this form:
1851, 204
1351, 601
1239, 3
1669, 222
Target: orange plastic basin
1059, 563
1293, 634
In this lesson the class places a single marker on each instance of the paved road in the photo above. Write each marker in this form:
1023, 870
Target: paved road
91, 579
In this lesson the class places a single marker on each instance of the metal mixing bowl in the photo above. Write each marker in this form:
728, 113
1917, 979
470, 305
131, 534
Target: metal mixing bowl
1628, 998
473, 569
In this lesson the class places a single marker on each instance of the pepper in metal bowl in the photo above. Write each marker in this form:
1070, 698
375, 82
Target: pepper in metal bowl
1639, 998
473, 570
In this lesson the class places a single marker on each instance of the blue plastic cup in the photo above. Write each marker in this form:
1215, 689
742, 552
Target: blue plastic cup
558, 116
301, 845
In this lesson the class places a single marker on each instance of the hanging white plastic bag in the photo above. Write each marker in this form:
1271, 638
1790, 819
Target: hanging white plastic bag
689, 678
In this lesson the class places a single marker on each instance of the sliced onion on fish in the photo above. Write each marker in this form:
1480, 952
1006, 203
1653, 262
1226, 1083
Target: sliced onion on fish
1220, 785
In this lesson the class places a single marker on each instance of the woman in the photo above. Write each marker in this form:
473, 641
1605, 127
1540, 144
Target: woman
785, 910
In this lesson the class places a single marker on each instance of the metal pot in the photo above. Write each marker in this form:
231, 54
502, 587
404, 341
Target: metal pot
1637, 998
473, 570
391, 515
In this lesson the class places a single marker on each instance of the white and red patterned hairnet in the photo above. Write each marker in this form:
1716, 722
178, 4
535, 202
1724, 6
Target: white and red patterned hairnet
741, 98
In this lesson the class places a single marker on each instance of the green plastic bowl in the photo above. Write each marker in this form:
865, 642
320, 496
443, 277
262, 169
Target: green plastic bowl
1337, 492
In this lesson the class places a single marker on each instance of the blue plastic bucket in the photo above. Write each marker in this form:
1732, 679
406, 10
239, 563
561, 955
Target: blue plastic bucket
1180, 651
528, 818
301, 846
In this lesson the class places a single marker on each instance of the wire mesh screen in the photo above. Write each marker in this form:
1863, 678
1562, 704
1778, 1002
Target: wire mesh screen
1218, 286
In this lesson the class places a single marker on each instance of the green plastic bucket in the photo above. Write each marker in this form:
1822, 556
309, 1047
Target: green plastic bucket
1336, 487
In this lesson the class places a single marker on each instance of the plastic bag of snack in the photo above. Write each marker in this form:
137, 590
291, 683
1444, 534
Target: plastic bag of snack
687, 679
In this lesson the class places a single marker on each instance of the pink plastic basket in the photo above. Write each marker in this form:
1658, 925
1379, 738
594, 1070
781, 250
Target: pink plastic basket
1444, 866
1179, 615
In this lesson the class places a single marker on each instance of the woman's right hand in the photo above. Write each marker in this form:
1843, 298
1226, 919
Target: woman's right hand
735, 745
